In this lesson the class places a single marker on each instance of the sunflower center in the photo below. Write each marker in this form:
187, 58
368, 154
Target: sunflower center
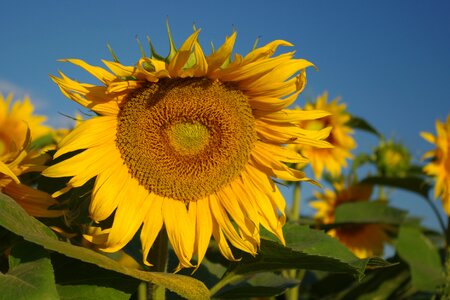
189, 137
185, 138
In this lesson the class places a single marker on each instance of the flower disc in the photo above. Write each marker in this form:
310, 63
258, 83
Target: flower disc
185, 138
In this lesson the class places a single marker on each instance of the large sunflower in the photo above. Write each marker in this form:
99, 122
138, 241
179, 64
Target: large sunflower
189, 142
364, 240
439, 167
17, 125
331, 159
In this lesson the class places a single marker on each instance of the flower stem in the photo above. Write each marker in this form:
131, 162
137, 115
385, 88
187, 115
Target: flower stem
439, 218
158, 257
292, 294
296, 198
223, 282
446, 289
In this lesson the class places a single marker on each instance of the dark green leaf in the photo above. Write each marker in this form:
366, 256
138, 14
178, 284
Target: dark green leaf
258, 285
361, 124
79, 280
30, 275
305, 249
387, 283
89, 292
368, 212
412, 184
422, 257
15, 219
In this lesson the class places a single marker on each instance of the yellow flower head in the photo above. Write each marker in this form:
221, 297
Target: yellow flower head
15, 121
17, 125
392, 159
364, 240
189, 142
332, 159
439, 167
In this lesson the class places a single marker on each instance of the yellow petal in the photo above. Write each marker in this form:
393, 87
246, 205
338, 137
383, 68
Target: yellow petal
119, 69
204, 228
153, 223
98, 72
90, 133
182, 56
179, 230
129, 215
7, 171
219, 57
108, 185
35, 202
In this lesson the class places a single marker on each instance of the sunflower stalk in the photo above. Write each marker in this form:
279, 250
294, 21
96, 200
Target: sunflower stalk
158, 257
445, 229
446, 289
292, 294
296, 198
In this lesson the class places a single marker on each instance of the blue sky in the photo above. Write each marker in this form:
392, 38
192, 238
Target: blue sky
388, 60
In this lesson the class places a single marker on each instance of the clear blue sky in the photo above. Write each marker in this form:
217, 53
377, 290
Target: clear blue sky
388, 60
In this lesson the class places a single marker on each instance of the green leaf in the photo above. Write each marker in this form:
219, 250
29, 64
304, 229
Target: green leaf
43, 141
305, 248
258, 285
89, 292
368, 212
422, 257
30, 275
387, 283
413, 184
15, 219
79, 280
361, 124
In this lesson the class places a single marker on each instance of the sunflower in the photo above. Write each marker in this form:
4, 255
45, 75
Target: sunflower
439, 167
16, 119
332, 159
392, 159
189, 142
17, 125
364, 240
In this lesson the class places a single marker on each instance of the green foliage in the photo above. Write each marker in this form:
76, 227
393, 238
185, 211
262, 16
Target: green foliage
15, 219
258, 285
361, 124
22, 281
422, 258
416, 185
305, 248
368, 212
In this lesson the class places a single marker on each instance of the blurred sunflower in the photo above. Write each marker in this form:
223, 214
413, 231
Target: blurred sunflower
189, 142
364, 240
17, 125
332, 159
439, 166
392, 159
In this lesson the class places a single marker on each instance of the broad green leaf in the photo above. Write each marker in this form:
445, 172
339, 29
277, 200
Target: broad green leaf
89, 292
79, 280
361, 124
15, 219
368, 212
258, 285
422, 257
412, 184
30, 275
305, 249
